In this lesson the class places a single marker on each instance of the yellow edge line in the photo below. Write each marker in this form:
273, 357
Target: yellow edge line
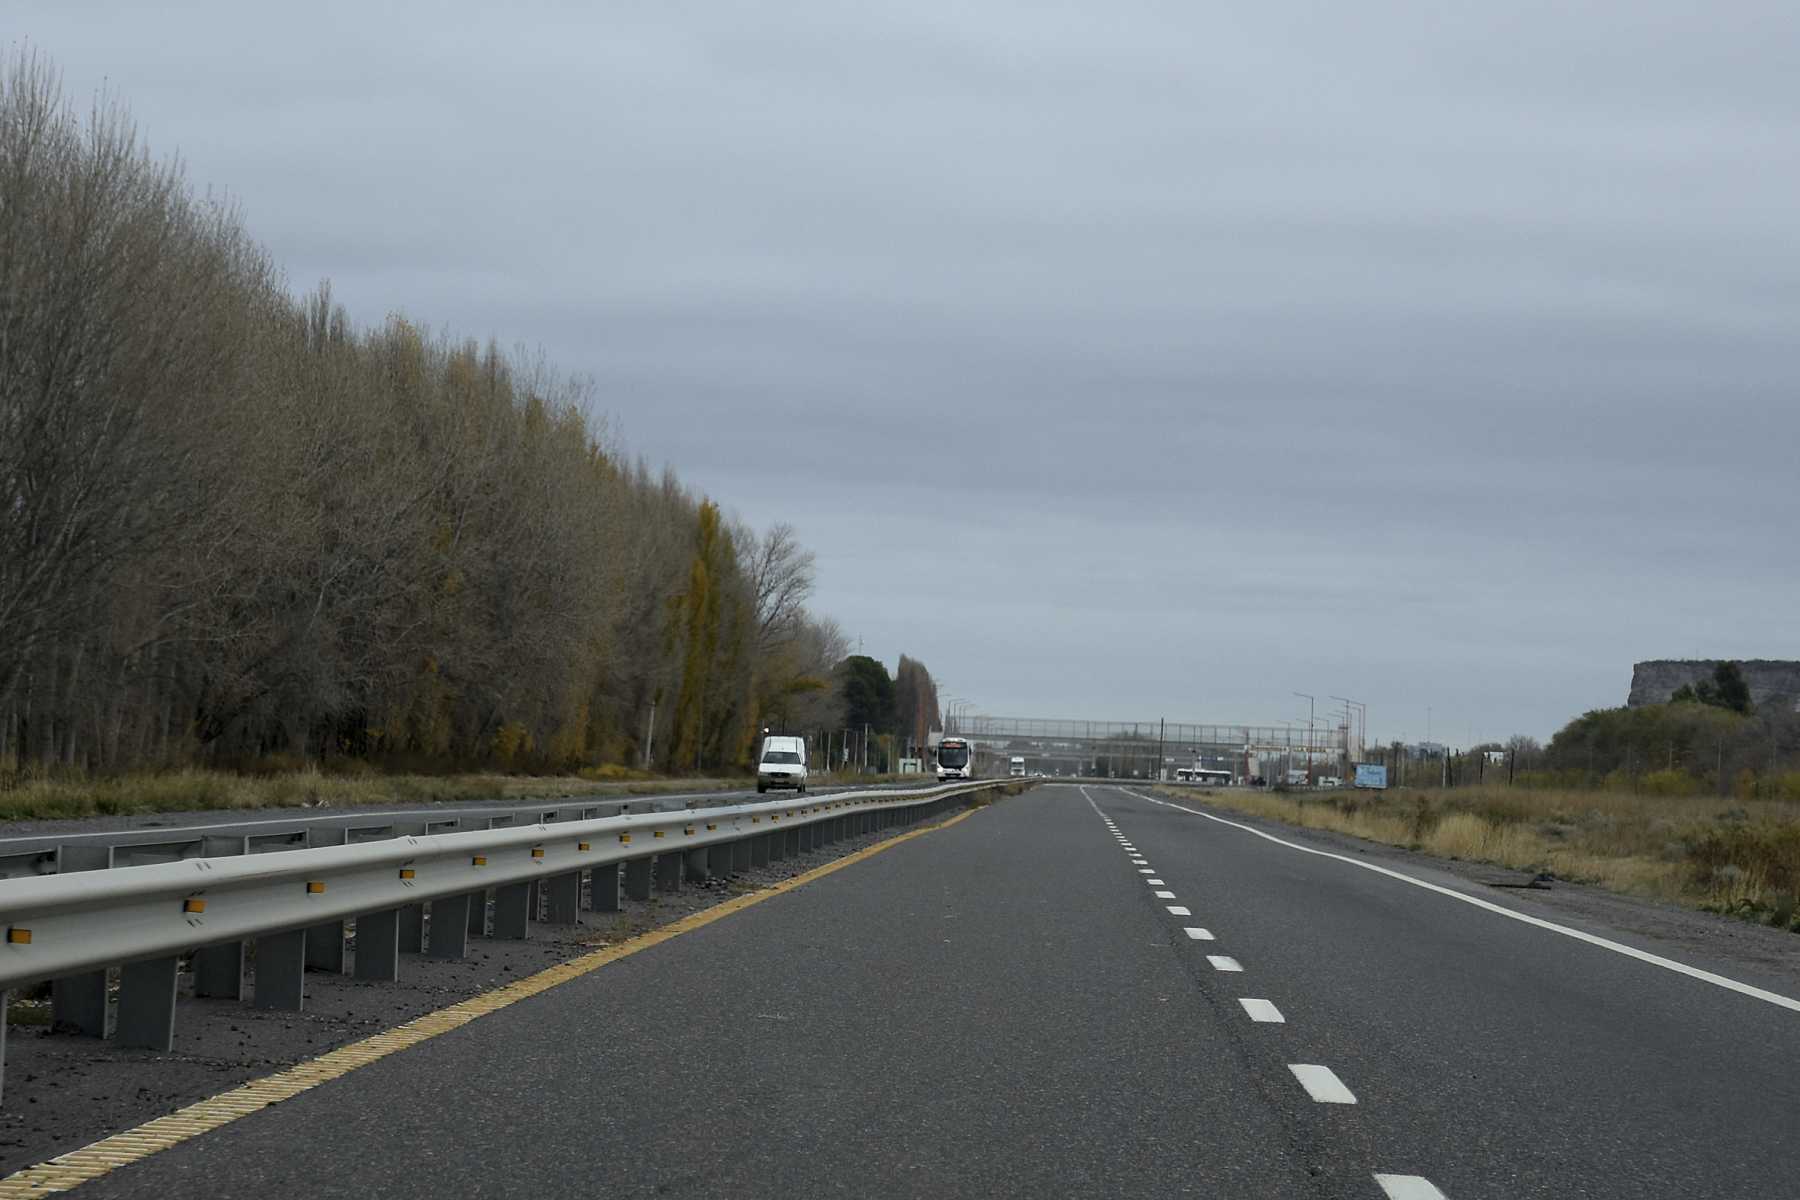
77, 1167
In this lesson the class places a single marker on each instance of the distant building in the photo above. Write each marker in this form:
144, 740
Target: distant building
1773, 683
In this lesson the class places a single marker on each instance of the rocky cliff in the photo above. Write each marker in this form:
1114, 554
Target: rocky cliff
1771, 680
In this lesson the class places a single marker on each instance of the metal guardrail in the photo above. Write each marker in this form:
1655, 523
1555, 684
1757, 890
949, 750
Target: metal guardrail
72, 926
29, 855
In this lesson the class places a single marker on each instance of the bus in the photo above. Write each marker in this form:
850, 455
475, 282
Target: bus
1015, 767
956, 759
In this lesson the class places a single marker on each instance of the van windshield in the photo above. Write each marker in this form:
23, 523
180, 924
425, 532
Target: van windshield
781, 756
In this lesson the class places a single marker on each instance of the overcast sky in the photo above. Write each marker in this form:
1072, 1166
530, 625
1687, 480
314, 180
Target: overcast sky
1119, 360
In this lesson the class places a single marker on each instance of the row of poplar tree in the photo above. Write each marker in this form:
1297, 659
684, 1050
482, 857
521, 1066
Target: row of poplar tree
234, 527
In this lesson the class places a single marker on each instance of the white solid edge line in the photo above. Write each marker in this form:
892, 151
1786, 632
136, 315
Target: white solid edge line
1199, 934
1408, 1187
1176, 910
1655, 960
1224, 962
1262, 1010
1322, 1083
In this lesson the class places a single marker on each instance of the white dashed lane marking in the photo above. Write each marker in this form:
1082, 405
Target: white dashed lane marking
1262, 1010
1321, 1083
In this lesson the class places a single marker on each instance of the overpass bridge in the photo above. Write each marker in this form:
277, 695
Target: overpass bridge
1136, 749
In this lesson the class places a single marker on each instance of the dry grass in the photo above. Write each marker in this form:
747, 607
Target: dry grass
1734, 856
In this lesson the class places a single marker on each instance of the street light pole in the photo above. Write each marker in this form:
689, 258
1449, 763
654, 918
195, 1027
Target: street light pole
1310, 702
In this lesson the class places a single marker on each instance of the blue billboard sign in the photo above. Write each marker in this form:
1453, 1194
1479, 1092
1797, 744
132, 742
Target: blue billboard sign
1371, 775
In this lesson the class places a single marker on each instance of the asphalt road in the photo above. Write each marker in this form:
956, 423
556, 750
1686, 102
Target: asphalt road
1010, 1008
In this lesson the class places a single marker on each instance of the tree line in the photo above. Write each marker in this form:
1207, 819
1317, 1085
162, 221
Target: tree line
238, 529
1707, 739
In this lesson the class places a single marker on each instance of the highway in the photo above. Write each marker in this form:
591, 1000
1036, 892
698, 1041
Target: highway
1080, 990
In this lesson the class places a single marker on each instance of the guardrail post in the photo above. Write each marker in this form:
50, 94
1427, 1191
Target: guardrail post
78, 1002
603, 888
759, 849
563, 892
512, 910
449, 927
668, 872
740, 854
695, 861
281, 970
412, 916
790, 843
325, 942
378, 945
147, 1004
5, 1002
778, 843
219, 970
718, 859
637, 879
477, 923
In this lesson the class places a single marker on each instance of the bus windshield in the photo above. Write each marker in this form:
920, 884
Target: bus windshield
950, 755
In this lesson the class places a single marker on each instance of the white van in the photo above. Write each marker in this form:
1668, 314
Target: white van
783, 764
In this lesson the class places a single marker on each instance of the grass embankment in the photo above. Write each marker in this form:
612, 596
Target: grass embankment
1732, 856
66, 796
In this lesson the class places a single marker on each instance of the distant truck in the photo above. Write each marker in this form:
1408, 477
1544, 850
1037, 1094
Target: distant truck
1016, 766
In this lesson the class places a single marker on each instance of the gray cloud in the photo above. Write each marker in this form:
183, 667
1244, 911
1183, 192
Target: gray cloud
1118, 360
